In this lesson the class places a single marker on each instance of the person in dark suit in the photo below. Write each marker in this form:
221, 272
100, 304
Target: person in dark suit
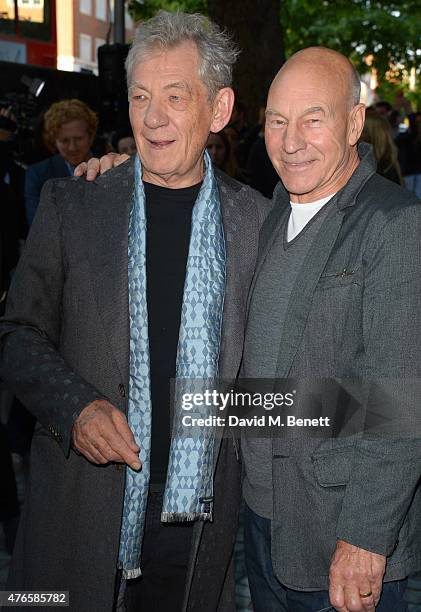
118, 507
69, 128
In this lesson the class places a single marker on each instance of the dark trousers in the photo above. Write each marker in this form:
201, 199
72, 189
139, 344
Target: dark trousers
269, 595
165, 557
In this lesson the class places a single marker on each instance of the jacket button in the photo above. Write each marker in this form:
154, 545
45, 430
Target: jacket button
122, 390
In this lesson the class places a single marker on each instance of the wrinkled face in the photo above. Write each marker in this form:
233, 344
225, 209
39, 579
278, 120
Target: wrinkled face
216, 149
171, 116
73, 142
307, 132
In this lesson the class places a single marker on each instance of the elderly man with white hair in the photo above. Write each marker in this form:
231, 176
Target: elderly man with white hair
125, 283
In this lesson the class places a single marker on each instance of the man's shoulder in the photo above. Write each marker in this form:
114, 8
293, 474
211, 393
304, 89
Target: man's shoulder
107, 184
386, 197
241, 194
71, 195
381, 207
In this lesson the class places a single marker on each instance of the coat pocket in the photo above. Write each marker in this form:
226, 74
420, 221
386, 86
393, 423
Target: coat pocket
342, 278
333, 469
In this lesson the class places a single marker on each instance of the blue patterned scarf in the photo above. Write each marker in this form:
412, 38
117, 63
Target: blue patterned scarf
189, 488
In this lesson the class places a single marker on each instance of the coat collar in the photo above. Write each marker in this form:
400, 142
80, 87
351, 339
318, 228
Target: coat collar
347, 196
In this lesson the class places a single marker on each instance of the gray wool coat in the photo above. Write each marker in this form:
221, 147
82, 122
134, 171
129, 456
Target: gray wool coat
354, 316
64, 342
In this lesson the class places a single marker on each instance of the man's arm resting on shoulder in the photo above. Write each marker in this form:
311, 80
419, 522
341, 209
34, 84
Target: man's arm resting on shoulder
29, 335
95, 166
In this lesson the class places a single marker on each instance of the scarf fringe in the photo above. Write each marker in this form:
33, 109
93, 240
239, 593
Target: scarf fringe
129, 574
182, 517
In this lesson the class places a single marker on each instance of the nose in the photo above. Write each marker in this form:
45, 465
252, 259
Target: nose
293, 138
73, 145
155, 115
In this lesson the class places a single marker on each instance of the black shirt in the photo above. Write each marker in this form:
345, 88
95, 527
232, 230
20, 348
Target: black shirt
168, 219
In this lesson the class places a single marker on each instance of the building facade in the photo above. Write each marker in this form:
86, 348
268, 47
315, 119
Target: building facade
63, 34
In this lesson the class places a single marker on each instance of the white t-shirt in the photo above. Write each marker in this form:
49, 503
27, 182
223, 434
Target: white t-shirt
301, 214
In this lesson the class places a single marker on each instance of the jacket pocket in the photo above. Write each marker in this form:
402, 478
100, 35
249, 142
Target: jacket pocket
342, 278
333, 469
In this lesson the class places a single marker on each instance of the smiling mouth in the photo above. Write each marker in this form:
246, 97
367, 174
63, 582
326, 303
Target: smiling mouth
298, 165
160, 144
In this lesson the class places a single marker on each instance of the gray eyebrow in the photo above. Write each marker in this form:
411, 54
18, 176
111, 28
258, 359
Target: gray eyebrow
175, 85
179, 85
314, 109
308, 111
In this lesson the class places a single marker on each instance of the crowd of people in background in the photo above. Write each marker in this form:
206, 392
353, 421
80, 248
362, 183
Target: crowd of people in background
70, 136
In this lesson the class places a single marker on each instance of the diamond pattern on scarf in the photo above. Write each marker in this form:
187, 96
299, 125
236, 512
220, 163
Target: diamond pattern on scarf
190, 469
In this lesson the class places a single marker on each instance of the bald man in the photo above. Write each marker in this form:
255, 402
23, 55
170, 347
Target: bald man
332, 521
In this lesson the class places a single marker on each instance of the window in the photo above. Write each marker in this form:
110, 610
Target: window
85, 46
7, 16
85, 7
33, 18
101, 10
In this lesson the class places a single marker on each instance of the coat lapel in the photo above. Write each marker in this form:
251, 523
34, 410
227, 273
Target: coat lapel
269, 231
235, 218
108, 211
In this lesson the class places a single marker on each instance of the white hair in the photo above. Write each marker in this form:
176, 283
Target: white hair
167, 30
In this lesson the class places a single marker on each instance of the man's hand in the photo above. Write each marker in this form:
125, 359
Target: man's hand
355, 572
95, 166
101, 433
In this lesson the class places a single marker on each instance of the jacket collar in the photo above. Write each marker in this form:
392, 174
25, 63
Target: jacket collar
347, 196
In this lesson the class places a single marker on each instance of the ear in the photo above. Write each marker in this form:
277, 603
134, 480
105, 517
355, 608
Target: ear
356, 123
222, 109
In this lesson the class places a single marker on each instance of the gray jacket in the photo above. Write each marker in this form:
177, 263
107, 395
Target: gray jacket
64, 342
354, 313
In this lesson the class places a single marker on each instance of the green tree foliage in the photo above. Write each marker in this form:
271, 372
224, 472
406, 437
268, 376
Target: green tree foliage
388, 30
